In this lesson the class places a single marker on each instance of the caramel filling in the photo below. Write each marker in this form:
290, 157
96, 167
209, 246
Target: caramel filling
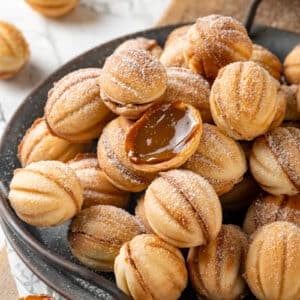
161, 133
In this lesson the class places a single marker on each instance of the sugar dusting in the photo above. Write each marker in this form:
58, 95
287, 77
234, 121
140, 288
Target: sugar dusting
137, 73
284, 142
186, 83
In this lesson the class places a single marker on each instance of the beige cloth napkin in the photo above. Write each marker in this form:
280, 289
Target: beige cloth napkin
282, 14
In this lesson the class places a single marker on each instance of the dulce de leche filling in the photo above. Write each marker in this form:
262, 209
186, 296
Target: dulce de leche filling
161, 133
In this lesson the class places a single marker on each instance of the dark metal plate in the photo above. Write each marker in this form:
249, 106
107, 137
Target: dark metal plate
46, 251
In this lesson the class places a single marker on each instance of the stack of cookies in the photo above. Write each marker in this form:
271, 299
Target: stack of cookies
191, 128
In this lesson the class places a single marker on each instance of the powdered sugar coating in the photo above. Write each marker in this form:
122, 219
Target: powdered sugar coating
97, 234
141, 214
267, 60
216, 269
284, 143
172, 55
273, 262
133, 76
40, 144
275, 161
281, 107
292, 97
149, 268
189, 87
268, 208
141, 43
215, 41
96, 188
183, 208
292, 66
219, 159
74, 109
45, 193
243, 100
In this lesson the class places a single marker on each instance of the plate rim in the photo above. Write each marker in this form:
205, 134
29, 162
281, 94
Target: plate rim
13, 222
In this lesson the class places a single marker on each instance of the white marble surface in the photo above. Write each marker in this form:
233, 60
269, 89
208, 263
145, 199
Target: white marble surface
54, 42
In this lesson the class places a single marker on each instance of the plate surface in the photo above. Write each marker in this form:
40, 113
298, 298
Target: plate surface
35, 245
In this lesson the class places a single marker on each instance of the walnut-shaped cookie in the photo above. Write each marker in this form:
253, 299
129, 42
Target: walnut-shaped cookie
215, 41
172, 55
40, 144
267, 60
189, 87
149, 268
113, 158
275, 161
141, 43
14, 50
243, 100
132, 80
183, 209
281, 107
219, 159
164, 137
97, 189
216, 270
269, 208
273, 262
241, 195
53, 8
74, 109
292, 66
292, 97
45, 193
141, 214
97, 233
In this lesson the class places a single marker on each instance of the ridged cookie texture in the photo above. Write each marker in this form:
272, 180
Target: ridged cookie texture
183, 209
219, 159
97, 234
74, 109
267, 60
269, 208
291, 94
113, 158
189, 87
216, 270
132, 80
141, 43
275, 161
39, 144
14, 50
292, 66
97, 189
148, 268
273, 262
45, 193
215, 41
141, 214
243, 100
172, 55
